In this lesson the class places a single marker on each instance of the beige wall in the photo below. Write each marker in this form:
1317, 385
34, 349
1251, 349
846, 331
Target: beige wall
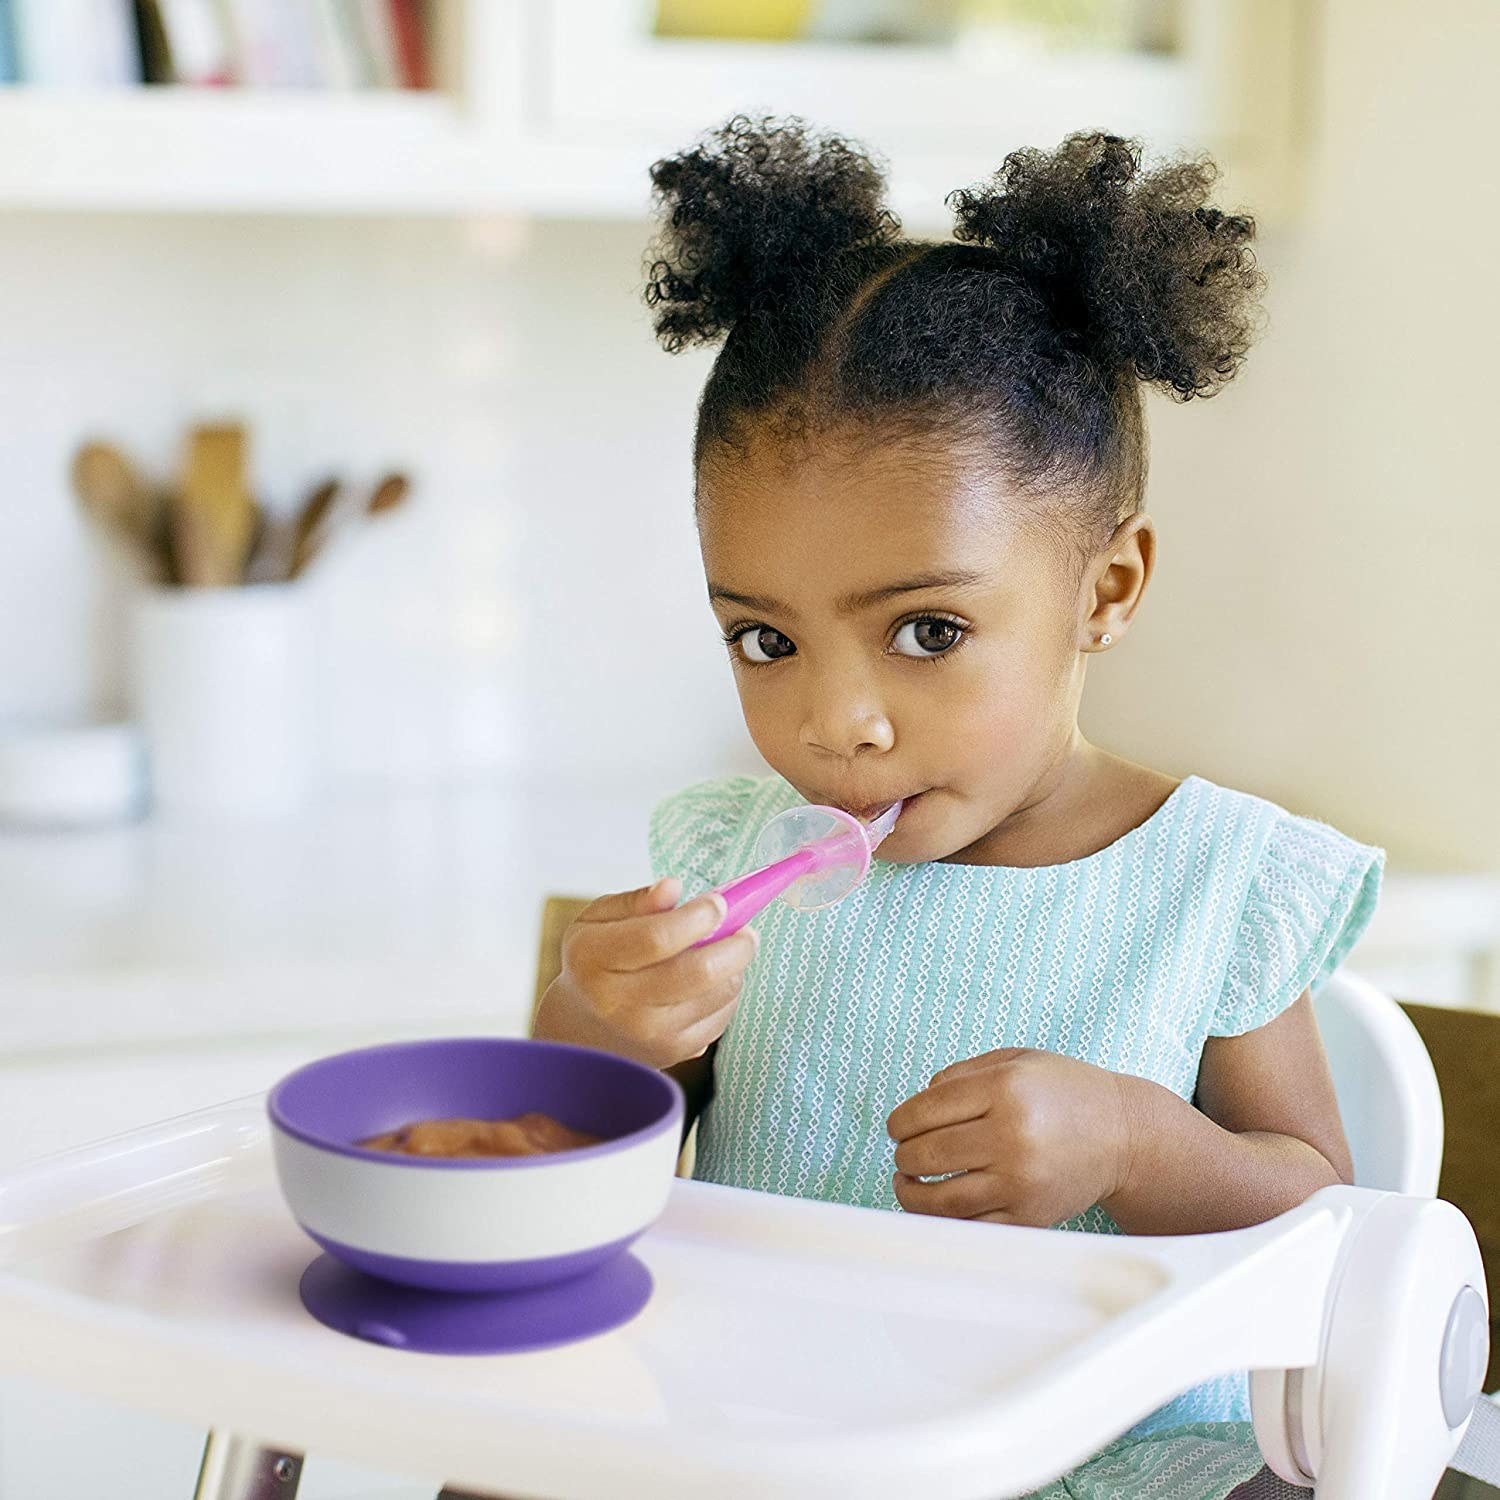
1321, 628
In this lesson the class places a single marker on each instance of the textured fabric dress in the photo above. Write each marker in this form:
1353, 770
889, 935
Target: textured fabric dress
1208, 919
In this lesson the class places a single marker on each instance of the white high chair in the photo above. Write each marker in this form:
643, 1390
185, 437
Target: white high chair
1387, 1089
1393, 1119
881, 1353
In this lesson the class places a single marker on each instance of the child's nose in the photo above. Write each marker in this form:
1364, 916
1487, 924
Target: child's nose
846, 728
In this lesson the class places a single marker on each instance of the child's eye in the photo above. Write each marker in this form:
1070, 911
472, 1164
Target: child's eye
759, 643
930, 636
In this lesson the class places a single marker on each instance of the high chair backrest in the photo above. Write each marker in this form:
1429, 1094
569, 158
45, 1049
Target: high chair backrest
1386, 1086
1387, 1089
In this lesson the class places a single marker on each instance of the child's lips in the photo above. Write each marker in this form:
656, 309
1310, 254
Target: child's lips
872, 810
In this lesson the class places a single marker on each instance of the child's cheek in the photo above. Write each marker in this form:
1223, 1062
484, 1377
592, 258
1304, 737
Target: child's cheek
1005, 728
770, 735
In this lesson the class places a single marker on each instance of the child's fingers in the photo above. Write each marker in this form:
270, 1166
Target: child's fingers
947, 1101
951, 1148
975, 1064
690, 1025
660, 896
641, 942
699, 1037
965, 1196
687, 977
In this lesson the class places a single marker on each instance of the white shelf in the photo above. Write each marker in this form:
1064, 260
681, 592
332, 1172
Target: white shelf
923, 98
213, 150
560, 109
257, 150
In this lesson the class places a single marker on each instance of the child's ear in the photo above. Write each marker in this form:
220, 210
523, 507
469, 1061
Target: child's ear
1115, 581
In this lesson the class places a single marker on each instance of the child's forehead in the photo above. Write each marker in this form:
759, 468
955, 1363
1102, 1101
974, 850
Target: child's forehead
835, 460
831, 521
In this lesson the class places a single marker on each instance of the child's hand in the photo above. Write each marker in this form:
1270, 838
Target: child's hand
633, 984
1036, 1136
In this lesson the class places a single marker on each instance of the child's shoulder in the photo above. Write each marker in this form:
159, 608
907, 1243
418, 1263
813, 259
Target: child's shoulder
698, 832
1270, 829
1275, 871
1306, 894
731, 797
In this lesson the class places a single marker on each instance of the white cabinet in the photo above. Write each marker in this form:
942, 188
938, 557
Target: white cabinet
606, 72
560, 107
943, 117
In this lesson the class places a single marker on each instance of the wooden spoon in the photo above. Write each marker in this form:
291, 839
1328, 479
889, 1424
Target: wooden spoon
118, 499
389, 493
271, 556
322, 517
312, 527
214, 517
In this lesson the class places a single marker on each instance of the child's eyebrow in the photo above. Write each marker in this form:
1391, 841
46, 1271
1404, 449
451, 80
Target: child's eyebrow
852, 603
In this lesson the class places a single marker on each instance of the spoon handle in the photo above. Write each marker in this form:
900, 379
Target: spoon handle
748, 895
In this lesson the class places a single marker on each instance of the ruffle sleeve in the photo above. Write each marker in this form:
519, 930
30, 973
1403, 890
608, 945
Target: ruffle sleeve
693, 831
1310, 898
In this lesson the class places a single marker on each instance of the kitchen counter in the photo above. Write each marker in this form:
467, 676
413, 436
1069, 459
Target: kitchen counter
161, 967
382, 906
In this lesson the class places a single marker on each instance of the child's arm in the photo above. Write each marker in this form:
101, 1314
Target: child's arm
1037, 1137
1267, 1136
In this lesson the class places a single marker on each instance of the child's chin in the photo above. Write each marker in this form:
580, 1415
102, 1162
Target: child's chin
914, 843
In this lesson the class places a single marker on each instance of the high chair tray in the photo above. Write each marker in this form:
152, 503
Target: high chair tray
789, 1348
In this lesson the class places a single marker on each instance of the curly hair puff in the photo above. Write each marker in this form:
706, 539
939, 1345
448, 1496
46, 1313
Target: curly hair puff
1074, 277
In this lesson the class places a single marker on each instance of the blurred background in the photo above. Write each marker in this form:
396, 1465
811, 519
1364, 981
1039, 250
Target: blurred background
335, 305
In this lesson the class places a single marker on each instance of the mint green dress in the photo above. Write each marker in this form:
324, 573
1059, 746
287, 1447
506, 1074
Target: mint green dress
1208, 919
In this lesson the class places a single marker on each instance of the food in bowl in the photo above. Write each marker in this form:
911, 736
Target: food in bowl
531, 1134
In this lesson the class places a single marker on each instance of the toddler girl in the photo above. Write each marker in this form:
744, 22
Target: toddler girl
1073, 991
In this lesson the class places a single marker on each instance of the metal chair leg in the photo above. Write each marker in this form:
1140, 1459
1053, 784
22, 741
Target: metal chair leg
234, 1468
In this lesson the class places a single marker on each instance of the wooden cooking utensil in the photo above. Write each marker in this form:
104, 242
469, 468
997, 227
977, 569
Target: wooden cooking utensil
313, 525
324, 513
116, 497
271, 557
260, 532
389, 493
214, 517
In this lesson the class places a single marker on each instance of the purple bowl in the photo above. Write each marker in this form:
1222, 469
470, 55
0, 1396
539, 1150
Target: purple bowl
475, 1224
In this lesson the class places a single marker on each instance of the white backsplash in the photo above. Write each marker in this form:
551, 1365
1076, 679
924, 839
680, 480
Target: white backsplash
536, 601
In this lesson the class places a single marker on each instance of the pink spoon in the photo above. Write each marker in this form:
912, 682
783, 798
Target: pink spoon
812, 856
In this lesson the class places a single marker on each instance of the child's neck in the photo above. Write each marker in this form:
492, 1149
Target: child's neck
1086, 801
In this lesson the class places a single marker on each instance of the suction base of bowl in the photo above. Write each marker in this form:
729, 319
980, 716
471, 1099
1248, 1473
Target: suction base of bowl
404, 1317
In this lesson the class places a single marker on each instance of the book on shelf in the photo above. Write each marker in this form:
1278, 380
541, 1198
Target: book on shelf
378, 39
74, 43
183, 41
274, 43
282, 44
340, 62
8, 70
411, 30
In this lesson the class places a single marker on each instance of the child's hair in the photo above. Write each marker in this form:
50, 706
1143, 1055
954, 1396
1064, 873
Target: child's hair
1072, 277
